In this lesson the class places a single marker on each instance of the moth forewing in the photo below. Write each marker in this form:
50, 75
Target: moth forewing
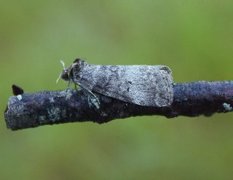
138, 84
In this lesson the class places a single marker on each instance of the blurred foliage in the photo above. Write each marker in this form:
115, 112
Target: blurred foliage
193, 37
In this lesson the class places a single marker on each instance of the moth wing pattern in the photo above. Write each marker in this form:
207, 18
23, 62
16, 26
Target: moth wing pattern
139, 84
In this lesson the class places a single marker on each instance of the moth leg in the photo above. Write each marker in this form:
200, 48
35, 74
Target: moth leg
68, 85
93, 99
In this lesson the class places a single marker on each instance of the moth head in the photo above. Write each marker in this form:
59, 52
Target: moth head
66, 73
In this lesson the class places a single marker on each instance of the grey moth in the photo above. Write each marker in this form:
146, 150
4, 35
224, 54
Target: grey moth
144, 85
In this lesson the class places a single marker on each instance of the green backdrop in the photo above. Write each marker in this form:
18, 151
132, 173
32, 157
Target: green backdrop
193, 37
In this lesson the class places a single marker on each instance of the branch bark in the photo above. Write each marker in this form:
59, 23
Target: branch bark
53, 107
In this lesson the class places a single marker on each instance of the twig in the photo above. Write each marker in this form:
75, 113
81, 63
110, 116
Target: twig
53, 107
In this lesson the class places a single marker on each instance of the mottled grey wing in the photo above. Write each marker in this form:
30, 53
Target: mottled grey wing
139, 84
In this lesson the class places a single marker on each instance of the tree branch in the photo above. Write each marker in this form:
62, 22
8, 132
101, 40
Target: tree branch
53, 107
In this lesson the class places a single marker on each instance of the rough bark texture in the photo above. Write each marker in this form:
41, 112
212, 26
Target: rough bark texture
53, 107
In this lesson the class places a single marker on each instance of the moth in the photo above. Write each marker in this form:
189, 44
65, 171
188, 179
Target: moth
144, 85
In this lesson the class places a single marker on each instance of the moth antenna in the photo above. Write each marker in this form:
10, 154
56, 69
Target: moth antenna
59, 77
63, 64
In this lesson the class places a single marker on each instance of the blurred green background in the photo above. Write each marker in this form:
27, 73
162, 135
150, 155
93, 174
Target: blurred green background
193, 37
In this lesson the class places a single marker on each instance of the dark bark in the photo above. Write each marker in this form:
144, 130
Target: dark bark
53, 107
